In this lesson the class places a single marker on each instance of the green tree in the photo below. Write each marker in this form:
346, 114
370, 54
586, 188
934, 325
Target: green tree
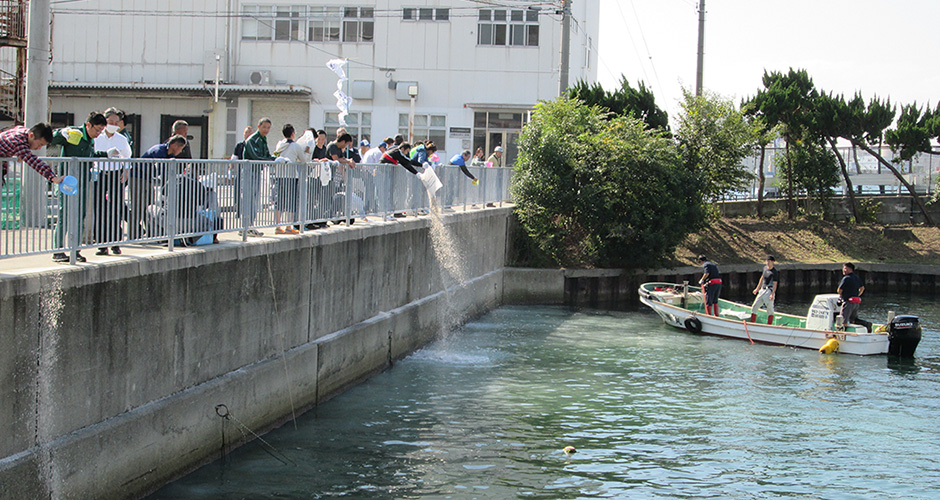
866, 124
811, 169
625, 101
830, 121
715, 137
787, 100
596, 191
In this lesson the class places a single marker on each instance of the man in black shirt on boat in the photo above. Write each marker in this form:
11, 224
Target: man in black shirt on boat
766, 291
850, 291
711, 284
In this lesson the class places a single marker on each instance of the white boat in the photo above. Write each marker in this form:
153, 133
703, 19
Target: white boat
682, 306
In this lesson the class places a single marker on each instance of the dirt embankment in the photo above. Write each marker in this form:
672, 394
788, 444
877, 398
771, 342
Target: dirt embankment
739, 241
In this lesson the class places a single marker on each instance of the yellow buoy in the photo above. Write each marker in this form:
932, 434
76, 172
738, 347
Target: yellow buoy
830, 347
569, 450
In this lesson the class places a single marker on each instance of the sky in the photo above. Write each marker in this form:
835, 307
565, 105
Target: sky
878, 47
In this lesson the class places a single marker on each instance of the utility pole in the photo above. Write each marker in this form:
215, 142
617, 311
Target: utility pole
565, 45
701, 47
37, 101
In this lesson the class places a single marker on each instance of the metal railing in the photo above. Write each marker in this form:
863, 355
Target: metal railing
189, 202
868, 176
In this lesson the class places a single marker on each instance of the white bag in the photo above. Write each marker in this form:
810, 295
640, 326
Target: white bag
430, 180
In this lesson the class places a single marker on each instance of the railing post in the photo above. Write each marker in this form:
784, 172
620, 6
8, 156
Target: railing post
301, 213
172, 203
347, 180
243, 176
73, 219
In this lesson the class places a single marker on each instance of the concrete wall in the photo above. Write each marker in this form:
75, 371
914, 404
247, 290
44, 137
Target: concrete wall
616, 289
110, 375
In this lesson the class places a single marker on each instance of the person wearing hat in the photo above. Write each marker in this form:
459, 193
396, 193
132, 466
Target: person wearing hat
374, 155
364, 147
497, 157
711, 285
766, 291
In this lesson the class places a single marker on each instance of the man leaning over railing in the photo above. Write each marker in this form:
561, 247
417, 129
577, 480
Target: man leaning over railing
77, 142
143, 178
20, 142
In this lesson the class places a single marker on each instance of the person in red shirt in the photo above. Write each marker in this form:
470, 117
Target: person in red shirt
20, 142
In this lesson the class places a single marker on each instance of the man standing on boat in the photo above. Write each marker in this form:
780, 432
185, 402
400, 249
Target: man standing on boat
711, 284
766, 291
850, 291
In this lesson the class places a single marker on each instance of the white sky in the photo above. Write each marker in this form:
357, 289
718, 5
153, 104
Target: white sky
879, 47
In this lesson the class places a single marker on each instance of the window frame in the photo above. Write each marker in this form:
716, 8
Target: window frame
508, 28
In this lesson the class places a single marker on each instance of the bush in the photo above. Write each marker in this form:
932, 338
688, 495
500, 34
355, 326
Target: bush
594, 191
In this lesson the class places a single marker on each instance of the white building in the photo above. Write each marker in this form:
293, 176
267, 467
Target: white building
479, 66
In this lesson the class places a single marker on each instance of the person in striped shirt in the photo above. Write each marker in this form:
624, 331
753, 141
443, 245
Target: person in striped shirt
20, 142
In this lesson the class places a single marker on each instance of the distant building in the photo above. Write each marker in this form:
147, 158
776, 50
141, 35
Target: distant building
478, 68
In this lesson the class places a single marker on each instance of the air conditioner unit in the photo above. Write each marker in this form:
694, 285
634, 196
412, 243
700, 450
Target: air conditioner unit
260, 77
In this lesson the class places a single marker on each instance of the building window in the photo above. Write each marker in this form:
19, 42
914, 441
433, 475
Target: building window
287, 22
424, 14
358, 125
258, 22
325, 24
517, 28
358, 24
310, 23
426, 128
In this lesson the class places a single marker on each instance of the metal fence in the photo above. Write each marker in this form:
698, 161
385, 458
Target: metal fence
867, 174
189, 202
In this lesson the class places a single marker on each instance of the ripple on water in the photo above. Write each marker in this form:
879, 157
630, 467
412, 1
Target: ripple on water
654, 413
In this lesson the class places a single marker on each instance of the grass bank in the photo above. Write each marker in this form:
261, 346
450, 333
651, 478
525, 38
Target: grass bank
749, 240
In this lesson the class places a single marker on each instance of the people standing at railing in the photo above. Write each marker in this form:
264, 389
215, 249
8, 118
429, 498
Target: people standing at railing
108, 186
77, 142
286, 178
461, 160
143, 178
256, 149
479, 158
422, 152
181, 127
239, 153
349, 151
374, 155
399, 155
496, 158
20, 142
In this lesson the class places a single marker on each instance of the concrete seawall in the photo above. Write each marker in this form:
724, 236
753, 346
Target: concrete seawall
110, 374
617, 289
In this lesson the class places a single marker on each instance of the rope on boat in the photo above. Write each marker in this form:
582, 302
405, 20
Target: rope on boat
747, 332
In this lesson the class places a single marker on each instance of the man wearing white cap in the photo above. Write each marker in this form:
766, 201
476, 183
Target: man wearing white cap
496, 157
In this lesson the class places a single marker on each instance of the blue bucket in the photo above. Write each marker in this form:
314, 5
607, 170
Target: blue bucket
69, 185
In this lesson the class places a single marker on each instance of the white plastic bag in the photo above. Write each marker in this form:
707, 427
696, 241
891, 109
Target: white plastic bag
430, 180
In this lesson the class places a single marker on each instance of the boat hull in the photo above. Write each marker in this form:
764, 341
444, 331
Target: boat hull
863, 344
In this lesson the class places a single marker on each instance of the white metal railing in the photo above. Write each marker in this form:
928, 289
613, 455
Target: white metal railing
184, 202
867, 174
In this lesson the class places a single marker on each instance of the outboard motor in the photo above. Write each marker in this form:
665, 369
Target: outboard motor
903, 336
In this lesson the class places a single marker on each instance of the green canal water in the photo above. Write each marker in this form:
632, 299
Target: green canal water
653, 412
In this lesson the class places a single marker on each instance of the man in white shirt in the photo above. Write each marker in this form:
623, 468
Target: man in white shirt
108, 189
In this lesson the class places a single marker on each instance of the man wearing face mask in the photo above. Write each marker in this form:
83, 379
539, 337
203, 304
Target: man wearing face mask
108, 187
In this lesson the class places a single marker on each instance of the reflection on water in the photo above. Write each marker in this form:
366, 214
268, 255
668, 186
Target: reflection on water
654, 412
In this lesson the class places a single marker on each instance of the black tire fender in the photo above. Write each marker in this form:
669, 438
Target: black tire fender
693, 324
